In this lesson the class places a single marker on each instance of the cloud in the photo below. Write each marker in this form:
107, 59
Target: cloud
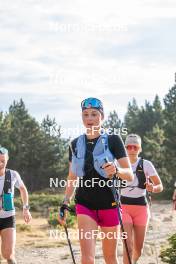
55, 53
151, 42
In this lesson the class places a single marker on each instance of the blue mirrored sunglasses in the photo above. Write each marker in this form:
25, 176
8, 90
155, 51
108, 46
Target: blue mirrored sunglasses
3, 150
91, 102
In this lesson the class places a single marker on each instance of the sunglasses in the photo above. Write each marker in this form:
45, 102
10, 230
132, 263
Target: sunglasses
131, 147
3, 150
91, 102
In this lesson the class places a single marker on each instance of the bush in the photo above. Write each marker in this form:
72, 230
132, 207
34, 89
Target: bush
47, 205
168, 255
41, 202
53, 217
23, 227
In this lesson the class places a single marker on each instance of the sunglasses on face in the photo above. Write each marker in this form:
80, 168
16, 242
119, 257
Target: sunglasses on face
3, 150
91, 102
132, 147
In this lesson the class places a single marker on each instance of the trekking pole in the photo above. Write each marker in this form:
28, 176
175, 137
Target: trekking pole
149, 199
116, 195
154, 238
62, 210
69, 243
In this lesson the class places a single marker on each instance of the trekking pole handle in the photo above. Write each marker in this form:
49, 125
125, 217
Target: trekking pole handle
63, 208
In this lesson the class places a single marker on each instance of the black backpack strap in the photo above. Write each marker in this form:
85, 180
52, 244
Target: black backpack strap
140, 166
140, 174
7, 182
73, 147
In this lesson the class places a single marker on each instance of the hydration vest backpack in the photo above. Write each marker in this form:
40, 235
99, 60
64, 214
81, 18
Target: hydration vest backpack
7, 182
7, 196
101, 155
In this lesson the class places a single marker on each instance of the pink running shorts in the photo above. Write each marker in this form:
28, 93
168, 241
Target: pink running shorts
103, 217
135, 214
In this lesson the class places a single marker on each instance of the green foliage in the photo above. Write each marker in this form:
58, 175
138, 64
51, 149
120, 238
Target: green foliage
36, 150
114, 125
113, 121
39, 153
23, 228
46, 204
41, 202
170, 131
53, 217
143, 119
154, 149
168, 255
156, 126
132, 117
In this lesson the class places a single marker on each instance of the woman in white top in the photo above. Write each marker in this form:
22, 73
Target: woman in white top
8, 180
135, 209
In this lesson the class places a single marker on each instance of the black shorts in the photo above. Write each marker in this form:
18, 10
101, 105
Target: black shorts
8, 222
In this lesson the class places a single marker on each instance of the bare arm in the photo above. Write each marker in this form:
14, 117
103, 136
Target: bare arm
70, 187
24, 195
25, 199
155, 186
125, 172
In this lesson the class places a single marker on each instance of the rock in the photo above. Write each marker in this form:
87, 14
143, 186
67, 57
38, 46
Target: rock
167, 219
148, 250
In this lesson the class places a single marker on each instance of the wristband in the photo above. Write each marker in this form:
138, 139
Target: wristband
154, 188
26, 207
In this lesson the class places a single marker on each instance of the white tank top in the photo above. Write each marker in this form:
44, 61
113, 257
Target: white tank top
135, 192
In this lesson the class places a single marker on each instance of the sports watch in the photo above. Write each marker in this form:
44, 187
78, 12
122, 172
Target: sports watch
26, 207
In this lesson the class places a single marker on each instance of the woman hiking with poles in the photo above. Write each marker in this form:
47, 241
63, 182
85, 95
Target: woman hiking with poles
93, 159
135, 209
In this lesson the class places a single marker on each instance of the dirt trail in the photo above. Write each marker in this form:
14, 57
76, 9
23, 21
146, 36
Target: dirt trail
36, 246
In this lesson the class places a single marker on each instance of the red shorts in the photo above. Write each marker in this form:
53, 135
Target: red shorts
104, 218
135, 214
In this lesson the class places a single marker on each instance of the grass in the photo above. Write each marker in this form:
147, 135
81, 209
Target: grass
53, 216
36, 234
47, 206
44, 209
23, 228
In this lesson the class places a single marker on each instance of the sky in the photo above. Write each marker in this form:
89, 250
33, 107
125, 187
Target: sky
55, 53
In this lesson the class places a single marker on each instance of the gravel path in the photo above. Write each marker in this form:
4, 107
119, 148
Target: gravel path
162, 224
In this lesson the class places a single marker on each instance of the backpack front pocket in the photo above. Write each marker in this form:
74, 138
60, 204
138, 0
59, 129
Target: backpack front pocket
77, 166
7, 202
99, 161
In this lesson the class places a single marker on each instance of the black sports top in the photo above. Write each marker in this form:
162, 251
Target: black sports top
96, 197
